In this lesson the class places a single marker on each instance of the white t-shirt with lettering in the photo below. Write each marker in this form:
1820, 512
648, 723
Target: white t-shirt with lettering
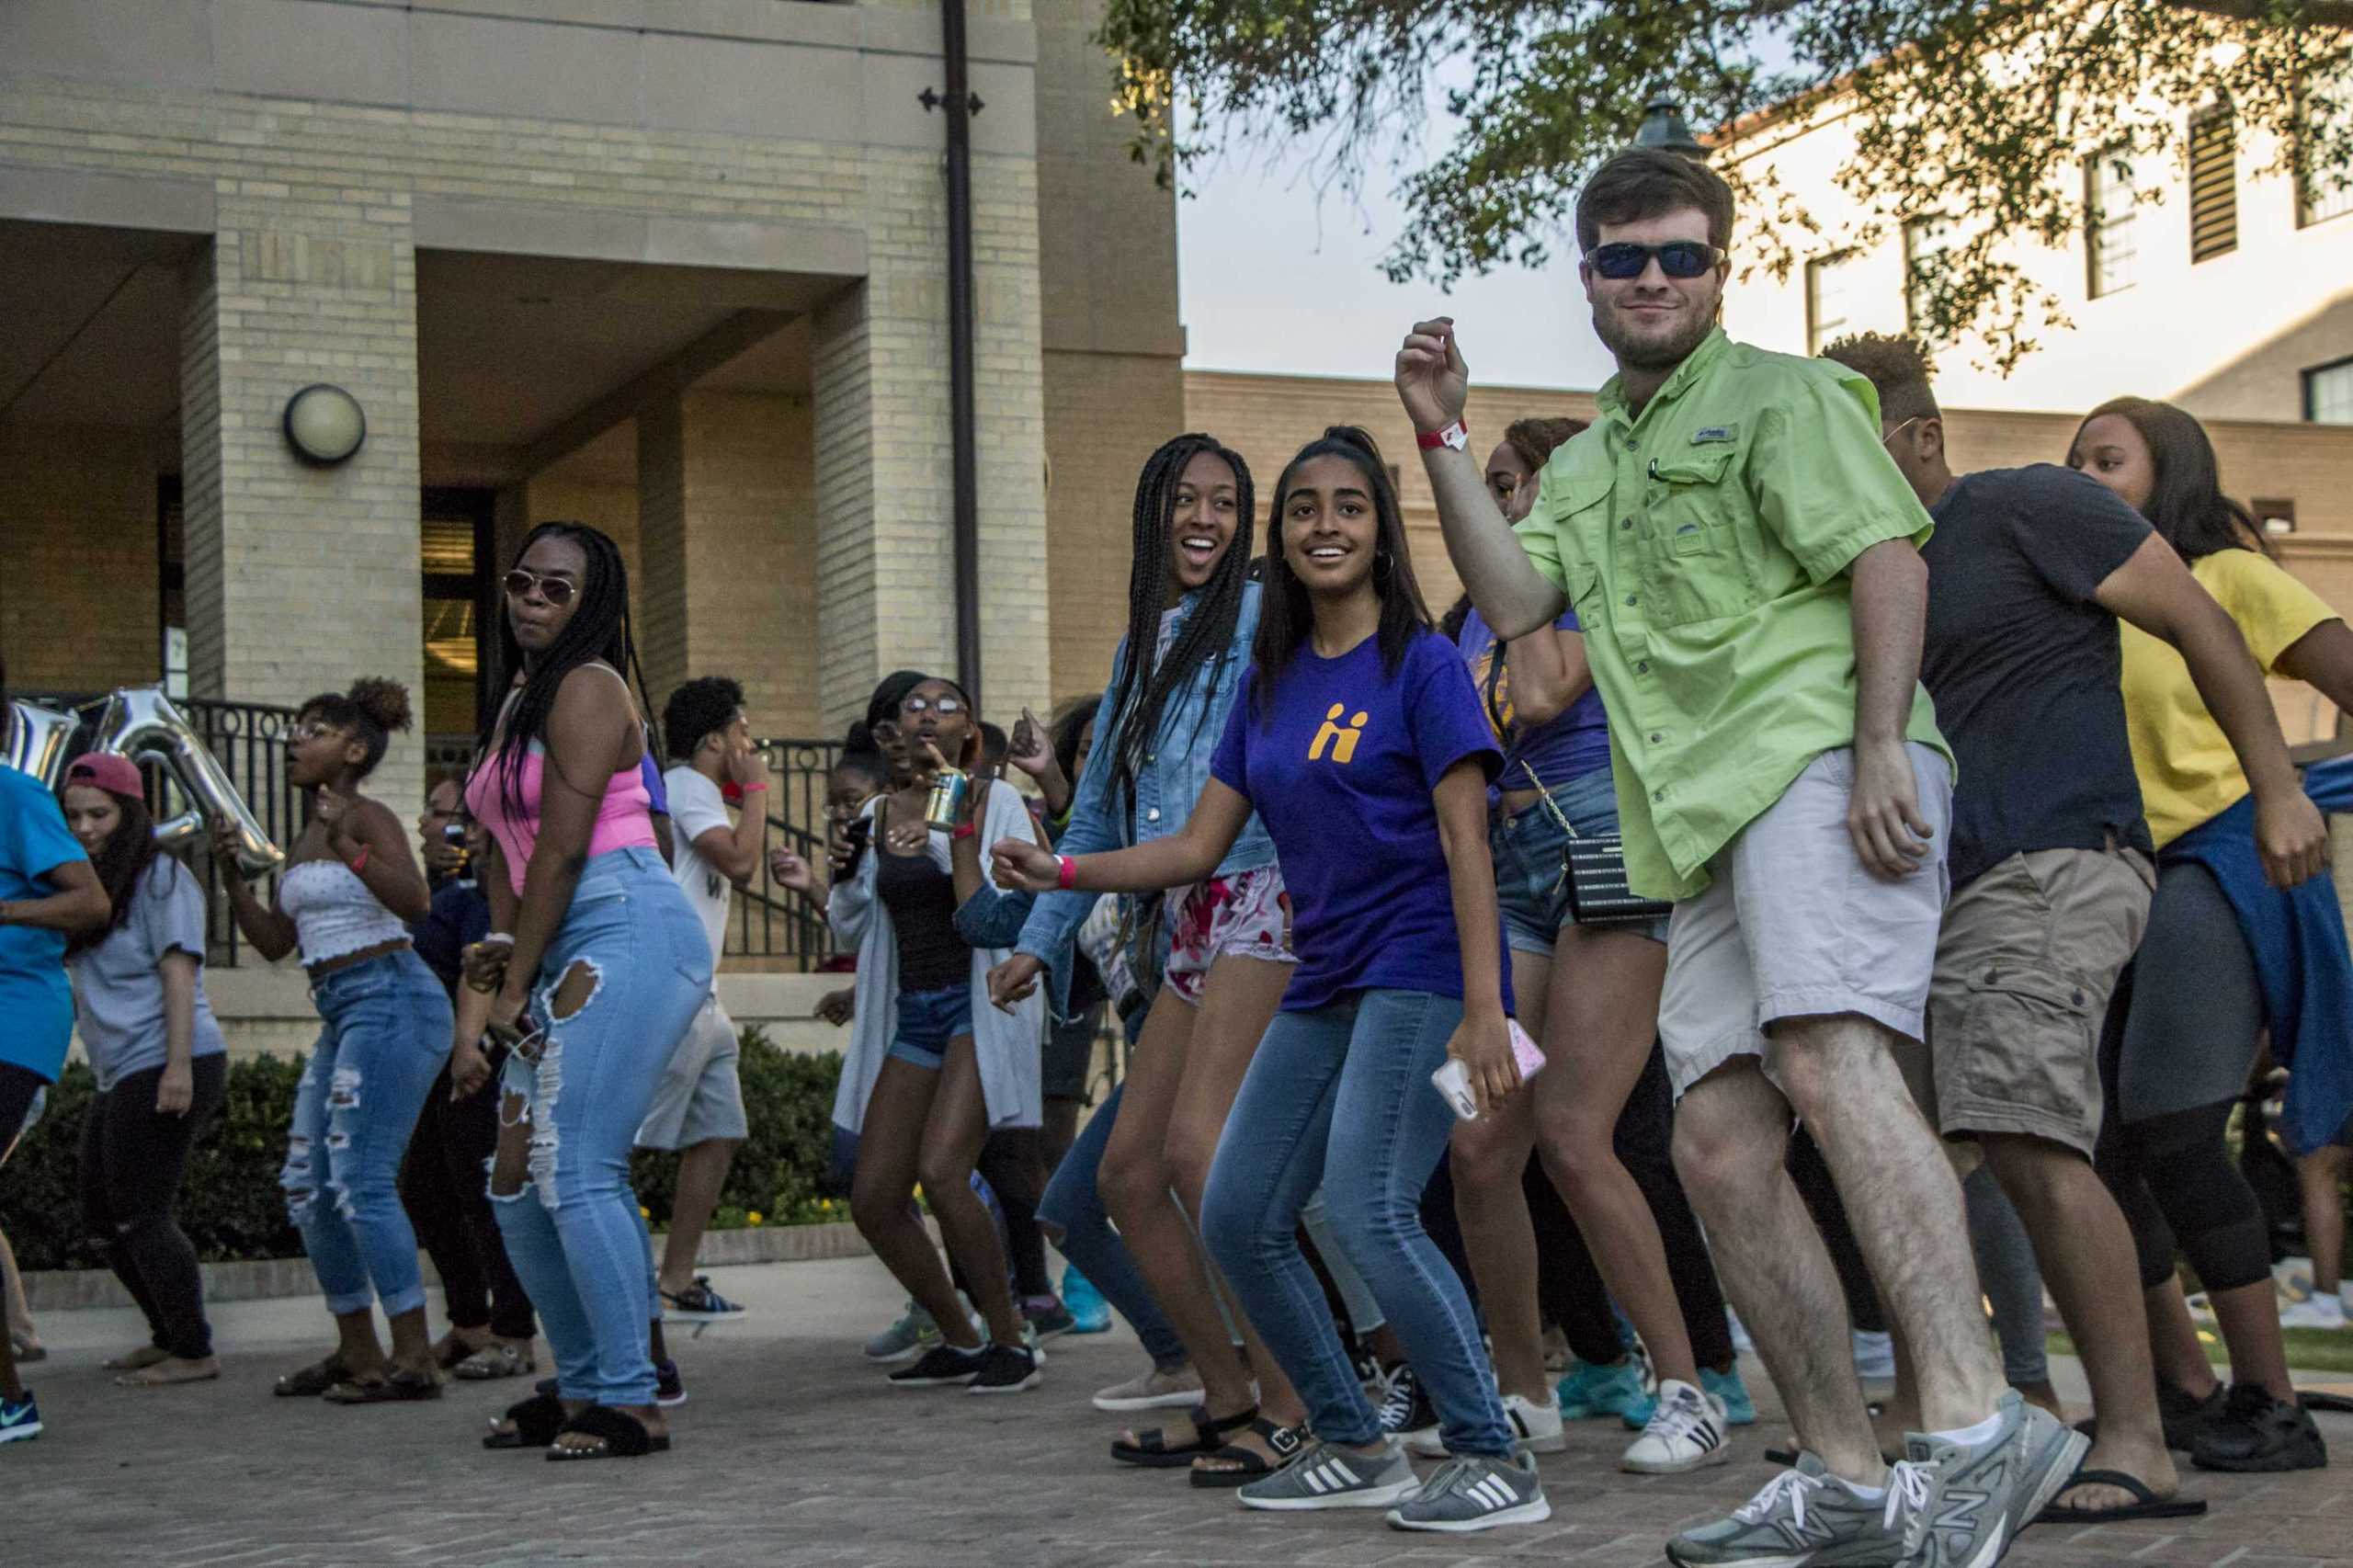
696, 807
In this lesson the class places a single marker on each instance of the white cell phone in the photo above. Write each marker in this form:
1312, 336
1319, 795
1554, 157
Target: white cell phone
1453, 1080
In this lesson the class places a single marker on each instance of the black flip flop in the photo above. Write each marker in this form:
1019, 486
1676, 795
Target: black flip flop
2145, 1504
536, 1421
621, 1436
1248, 1464
310, 1381
1152, 1450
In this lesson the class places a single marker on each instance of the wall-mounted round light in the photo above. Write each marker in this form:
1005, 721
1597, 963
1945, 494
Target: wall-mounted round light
324, 424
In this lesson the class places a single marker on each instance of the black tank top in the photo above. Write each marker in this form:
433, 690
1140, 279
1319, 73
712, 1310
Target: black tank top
922, 901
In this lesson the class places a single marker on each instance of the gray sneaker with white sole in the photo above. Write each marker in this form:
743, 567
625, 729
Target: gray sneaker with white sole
1803, 1517
1329, 1476
1982, 1495
1475, 1494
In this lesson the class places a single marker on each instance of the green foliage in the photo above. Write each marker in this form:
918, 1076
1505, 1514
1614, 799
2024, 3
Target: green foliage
231, 1208
1979, 115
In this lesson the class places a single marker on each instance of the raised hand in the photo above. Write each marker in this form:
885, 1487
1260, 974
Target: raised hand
1432, 381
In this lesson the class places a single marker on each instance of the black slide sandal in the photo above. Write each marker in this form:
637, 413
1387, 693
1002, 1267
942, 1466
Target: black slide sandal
536, 1421
1249, 1466
2145, 1504
1152, 1453
620, 1435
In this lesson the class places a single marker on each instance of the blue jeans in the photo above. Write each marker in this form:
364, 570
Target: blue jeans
1341, 1097
1073, 1205
387, 1035
573, 1231
1529, 848
928, 1021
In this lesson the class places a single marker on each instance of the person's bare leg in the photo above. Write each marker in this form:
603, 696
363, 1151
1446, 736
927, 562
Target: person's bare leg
1731, 1133
1134, 1184
1892, 1173
884, 1181
20, 1309
2248, 1317
1060, 1131
952, 1137
1239, 998
1603, 1016
1489, 1157
2083, 1247
2174, 1345
2322, 1177
411, 1341
703, 1172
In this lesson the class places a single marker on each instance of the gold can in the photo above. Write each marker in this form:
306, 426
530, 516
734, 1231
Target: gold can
945, 810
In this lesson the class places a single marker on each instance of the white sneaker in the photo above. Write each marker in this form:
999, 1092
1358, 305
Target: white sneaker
2314, 1311
1685, 1432
1536, 1428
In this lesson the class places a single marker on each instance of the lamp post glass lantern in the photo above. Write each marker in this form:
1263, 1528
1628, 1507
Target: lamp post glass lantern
324, 424
1663, 126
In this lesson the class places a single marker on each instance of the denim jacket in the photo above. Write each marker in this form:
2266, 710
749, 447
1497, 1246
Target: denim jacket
1168, 785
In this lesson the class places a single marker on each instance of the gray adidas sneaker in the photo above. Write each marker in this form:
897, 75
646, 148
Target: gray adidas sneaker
1980, 1497
1328, 1476
1803, 1517
1475, 1494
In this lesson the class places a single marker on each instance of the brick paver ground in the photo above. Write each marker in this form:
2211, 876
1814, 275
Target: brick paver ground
794, 1452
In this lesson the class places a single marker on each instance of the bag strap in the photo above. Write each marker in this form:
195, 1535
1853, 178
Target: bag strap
1559, 817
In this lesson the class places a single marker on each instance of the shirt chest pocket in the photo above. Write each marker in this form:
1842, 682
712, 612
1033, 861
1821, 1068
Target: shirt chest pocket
1690, 552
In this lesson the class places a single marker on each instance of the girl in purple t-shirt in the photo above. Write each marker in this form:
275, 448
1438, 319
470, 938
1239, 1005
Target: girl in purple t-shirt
1359, 743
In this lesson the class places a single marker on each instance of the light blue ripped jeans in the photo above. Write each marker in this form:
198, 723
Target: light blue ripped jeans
572, 1231
387, 1034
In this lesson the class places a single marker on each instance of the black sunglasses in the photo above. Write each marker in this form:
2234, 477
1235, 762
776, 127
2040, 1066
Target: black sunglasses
557, 591
1676, 259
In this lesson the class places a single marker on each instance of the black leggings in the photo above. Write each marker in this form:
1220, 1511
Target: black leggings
132, 1160
1569, 1286
445, 1188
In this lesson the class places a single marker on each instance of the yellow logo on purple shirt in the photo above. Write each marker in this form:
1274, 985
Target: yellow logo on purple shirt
1343, 742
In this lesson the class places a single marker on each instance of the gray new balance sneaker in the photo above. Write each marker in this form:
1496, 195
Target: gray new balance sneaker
1475, 1494
1980, 1497
1327, 1476
1804, 1517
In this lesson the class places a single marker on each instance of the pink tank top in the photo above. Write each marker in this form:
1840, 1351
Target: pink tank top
624, 818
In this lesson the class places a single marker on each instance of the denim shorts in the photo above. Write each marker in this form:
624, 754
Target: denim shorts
1528, 849
928, 1021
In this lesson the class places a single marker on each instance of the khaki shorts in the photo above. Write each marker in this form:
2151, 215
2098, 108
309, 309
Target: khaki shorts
700, 1095
1792, 925
2031, 950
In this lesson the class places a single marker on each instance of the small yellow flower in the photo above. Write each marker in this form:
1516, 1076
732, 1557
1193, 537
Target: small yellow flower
2205, 1337
754, 1217
642, 1209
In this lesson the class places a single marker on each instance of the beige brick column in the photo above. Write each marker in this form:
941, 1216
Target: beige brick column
300, 579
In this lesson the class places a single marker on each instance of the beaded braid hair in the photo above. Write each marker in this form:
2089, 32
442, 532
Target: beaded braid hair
1140, 689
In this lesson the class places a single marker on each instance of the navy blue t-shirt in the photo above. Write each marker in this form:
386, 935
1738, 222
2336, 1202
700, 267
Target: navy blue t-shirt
1340, 770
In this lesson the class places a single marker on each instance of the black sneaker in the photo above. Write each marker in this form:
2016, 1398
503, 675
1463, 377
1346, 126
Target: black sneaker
941, 1365
1407, 1408
669, 1389
2256, 1432
1046, 1315
2184, 1414
1004, 1370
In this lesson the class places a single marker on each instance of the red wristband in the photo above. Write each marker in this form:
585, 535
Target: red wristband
1066, 874
966, 831
1456, 435
358, 863
751, 789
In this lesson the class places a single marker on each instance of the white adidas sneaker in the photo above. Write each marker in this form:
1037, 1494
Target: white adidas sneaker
1687, 1431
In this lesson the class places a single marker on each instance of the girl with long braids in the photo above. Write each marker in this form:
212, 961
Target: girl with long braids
1358, 739
160, 1062
2225, 955
1192, 613
351, 888
596, 967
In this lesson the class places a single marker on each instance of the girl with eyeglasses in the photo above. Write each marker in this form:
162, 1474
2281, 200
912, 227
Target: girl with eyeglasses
596, 967
350, 889
932, 1069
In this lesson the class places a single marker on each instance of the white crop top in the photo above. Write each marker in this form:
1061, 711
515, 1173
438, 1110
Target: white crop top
334, 912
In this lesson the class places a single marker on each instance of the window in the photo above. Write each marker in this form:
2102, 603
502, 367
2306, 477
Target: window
2111, 209
2213, 185
1829, 299
2328, 394
1925, 241
171, 584
2324, 145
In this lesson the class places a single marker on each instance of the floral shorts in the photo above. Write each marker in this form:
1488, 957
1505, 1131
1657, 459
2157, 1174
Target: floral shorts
1245, 914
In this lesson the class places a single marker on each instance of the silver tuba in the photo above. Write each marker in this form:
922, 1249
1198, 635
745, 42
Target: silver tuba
141, 723
39, 740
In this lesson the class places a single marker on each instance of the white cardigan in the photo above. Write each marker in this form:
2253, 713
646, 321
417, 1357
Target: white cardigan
1005, 1042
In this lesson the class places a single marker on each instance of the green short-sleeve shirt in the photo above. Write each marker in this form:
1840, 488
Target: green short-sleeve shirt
1704, 545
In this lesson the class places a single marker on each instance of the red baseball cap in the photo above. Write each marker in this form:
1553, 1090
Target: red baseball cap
111, 772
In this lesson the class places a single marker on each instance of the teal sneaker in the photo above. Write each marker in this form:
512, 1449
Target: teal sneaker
1589, 1392
1090, 1314
1739, 1409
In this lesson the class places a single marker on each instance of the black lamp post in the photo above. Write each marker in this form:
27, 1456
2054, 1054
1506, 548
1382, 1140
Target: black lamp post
1663, 126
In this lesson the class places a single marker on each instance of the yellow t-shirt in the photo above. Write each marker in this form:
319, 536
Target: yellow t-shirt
2188, 773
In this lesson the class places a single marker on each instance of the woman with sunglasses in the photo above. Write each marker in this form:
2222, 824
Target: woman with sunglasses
594, 967
349, 891
932, 1069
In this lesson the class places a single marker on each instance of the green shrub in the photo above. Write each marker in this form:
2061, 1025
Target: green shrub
231, 1208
